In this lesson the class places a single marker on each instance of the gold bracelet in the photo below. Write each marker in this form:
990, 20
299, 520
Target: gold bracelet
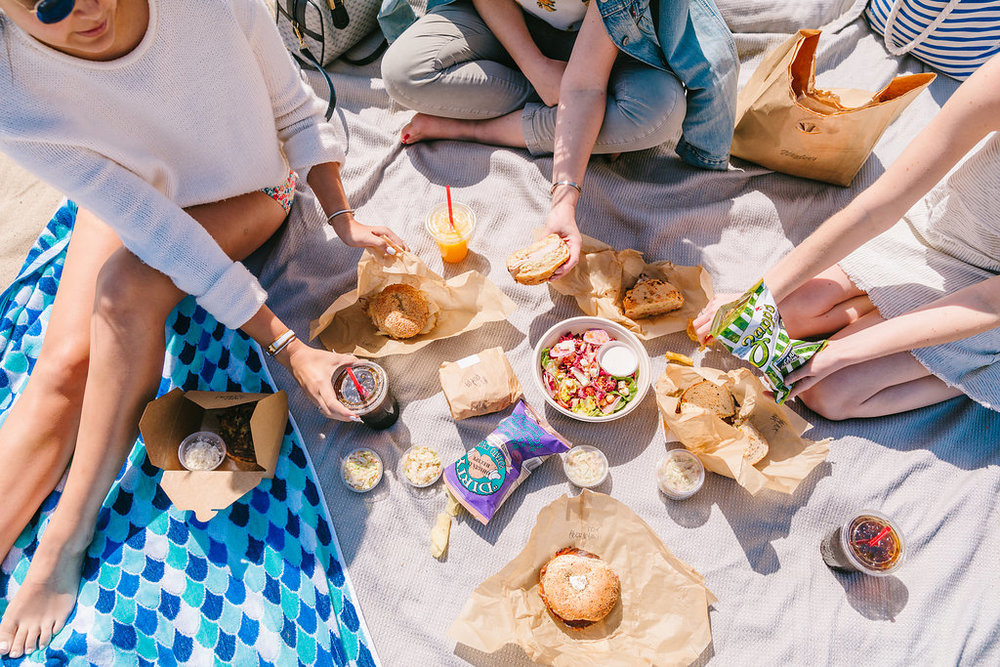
280, 343
329, 218
571, 184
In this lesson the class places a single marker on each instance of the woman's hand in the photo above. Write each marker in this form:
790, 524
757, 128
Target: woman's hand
703, 323
561, 221
822, 365
546, 77
313, 369
357, 235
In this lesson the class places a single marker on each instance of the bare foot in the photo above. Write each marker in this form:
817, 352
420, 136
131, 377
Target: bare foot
45, 599
423, 127
36, 443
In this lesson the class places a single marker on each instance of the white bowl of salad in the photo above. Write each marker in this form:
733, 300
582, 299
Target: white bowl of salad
568, 369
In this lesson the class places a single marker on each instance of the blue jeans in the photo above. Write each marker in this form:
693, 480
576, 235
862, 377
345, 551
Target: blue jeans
449, 64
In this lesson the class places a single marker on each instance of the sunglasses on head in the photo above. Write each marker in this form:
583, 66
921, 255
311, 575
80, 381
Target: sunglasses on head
53, 11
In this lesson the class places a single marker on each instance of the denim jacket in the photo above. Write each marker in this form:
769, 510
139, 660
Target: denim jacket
688, 37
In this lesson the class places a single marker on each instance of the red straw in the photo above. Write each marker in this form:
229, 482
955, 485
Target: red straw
451, 214
361, 390
878, 538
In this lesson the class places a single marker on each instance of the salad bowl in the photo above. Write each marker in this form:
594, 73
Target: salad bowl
578, 388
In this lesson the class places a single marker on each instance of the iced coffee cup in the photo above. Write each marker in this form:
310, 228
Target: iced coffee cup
868, 542
367, 394
452, 241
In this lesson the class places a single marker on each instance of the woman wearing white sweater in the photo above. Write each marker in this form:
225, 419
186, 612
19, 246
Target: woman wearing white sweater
176, 125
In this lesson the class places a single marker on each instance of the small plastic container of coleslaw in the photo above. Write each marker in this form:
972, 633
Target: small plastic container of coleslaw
585, 466
421, 466
202, 451
680, 474
361, 470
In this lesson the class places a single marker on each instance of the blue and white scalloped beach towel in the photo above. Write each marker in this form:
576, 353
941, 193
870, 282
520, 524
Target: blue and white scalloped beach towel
263, 582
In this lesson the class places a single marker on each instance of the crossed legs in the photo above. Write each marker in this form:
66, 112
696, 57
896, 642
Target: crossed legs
882, 386
100, 364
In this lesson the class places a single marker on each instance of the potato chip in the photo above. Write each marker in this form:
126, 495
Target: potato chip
678, 358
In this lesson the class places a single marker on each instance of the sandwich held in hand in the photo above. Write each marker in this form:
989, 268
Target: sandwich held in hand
400, 311
751, 329
650, 297
536, 263
578, 587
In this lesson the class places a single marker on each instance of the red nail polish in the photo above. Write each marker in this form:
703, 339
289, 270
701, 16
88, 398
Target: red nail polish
406, 138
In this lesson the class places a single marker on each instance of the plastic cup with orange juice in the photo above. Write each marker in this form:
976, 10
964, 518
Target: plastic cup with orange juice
452, 241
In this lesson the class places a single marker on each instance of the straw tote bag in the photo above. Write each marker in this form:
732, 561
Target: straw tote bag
952, 36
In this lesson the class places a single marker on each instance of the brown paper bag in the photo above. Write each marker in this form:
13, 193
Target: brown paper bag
720, 446
784, 123
600, 280
662, 618
462, 303
479, 384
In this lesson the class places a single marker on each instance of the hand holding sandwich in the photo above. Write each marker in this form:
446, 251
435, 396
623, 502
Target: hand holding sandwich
562, 221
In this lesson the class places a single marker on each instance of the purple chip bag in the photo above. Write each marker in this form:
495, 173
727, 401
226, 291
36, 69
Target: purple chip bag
488, 473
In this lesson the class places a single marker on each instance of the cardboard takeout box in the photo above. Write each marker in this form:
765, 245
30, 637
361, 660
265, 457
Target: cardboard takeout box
169, 419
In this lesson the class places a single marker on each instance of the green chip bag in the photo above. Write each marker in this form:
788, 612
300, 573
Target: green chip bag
751, 329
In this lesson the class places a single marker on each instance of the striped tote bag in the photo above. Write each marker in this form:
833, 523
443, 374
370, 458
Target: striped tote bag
952, 36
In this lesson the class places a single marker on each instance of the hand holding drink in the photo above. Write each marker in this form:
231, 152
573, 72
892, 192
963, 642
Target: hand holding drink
751, 329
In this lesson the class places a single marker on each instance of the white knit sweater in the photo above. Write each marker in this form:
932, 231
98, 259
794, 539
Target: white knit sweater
199, 111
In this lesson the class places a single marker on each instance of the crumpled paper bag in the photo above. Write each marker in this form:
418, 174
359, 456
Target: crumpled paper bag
600, 280
662, 617
479, 384
462, 303
720, 446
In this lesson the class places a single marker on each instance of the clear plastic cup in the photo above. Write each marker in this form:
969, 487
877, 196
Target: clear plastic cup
848, 547
452, 242
574, 475
201, 442
359, 483
669, 480
404, 461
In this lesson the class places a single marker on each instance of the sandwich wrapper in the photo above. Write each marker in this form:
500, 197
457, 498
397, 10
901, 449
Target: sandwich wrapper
600, 280
662, 617
720, 446
479, 384
172, 417
463, 303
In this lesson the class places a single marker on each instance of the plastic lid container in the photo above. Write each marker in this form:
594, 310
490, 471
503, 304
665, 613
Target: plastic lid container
201, 451
618, 359
361, 470
876, 560
680, 474
421, 472
585, 466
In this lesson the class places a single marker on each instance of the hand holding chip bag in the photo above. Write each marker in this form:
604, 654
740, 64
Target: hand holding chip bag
751, 329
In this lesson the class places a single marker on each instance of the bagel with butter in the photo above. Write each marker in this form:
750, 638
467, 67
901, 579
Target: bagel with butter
536, 263
399, 311
578, 588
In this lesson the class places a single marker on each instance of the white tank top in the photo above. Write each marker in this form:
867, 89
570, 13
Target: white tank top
560, 14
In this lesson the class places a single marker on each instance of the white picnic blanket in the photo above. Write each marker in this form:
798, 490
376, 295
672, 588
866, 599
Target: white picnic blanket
934, 470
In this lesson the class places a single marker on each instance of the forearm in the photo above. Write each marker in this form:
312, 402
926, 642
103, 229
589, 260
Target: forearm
582, 99
324, 179
965, 119
506, 21
965, 313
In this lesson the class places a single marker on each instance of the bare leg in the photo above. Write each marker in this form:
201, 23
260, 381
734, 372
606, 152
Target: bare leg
502, 131
126, 356
37, 439
878, 387
827, 303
